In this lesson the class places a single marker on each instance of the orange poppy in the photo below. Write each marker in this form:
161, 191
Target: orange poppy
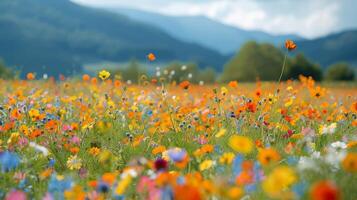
290, 45
151, 57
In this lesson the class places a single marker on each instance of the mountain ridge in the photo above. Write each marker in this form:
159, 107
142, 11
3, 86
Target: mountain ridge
61, 36
204, 31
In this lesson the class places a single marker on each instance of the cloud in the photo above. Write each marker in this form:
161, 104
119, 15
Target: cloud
304, 17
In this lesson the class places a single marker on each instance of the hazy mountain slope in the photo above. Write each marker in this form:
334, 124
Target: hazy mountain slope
332, 48
57, 36
204, 31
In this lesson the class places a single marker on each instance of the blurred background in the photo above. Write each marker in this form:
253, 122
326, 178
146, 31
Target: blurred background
200, 40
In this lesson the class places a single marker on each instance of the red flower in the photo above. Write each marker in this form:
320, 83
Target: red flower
324, 190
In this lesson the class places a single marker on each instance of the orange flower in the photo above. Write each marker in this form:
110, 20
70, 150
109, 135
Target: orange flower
86, 77
324, 190
233, 84
117, 83
94, 151
151, 57
109, 178
186, 192
92, 183
94, 80
350, 162
290, 45
185, 85
158, 150
30, 76
74, 150
267, 156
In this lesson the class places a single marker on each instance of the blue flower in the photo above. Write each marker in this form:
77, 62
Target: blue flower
52, 162
103, 187
57, 185
237, 165
8, 161
177, 155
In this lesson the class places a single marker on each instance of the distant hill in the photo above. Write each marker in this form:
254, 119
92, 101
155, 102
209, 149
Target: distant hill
332, 48
58, 36
204, 31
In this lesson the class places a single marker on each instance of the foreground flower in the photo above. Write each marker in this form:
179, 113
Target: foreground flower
324, 190
267, 156
350, 162
8, 161
104, 75
16, 195
279, 181
74, 163
207, 164
241, 144
226, 158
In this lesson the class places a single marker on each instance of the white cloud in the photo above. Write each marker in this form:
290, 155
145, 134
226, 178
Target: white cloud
309, 18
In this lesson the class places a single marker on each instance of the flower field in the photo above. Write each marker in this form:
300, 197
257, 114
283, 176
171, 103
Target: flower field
105, 139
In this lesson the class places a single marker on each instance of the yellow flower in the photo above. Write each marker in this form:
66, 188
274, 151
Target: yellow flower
34, 113
206, 165
75, 193
74, 163
14, 137
94, 151
122, 185
226, 158
104, 75
224, 91
105, 156
221, 133
279, 181
241, 144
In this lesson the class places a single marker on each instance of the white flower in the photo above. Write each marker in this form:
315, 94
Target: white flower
339, 145
306, 163
189, 75
128, 82
39, 148
166, 72
183, 67
45, 76
335, 156
201, 83
172, 72
328, 129
158, 73
316, 155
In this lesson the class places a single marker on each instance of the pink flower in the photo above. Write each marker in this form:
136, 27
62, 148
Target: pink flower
16, 195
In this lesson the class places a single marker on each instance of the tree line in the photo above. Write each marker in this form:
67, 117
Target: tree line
253, 61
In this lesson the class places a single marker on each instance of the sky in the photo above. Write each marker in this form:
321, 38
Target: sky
307, 18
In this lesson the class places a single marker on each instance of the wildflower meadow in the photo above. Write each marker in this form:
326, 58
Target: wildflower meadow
97, 137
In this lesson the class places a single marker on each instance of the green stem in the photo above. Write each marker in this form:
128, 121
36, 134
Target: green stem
282, 70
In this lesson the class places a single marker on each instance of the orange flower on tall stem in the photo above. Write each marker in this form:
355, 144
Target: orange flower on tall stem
290, 45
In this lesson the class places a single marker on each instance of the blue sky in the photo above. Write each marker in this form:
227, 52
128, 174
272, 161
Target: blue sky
309, 18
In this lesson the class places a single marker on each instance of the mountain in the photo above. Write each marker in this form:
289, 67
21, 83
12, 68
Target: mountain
204, 31
333, 48
59, 36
